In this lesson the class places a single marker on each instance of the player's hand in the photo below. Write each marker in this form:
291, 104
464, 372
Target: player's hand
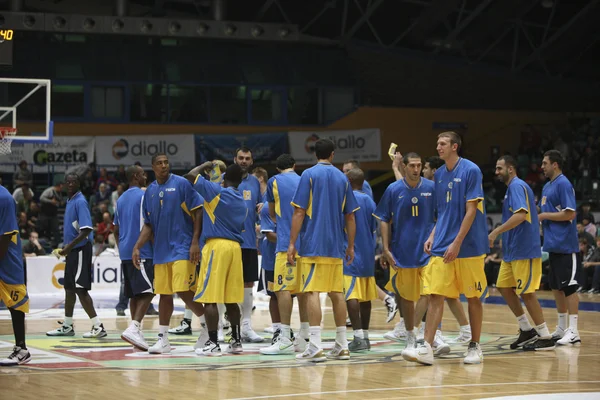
389, 258
64, 251
587, 264
398, 159
541, 217
259, 207
428, 245
135, 258
194, 253
492, 238
349, 255
291, 254
451, 252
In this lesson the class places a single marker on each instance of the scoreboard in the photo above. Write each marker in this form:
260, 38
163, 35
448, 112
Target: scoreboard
6, 46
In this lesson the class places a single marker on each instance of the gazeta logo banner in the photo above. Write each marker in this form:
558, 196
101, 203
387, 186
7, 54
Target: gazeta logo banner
360, 144
127, 150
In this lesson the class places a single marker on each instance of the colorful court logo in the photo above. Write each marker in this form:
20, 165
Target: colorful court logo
58, 275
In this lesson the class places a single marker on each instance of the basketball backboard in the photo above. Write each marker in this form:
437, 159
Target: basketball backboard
25, 104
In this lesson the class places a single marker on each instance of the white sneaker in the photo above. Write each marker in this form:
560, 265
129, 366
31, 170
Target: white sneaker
300, 344
135, 338
439, 346
63, 330
424, 354
398, 333
209, 349
570, 337
202, 339
392, 308
559, 333
269, 329
312, 354
338, 353
95, 332
248, 335
464, 336
421, 333
162, 346
19, 356
282, 345
474, 354
409, 353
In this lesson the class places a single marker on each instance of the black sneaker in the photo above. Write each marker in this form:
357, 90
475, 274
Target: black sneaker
524, 338
185, 328
540, 345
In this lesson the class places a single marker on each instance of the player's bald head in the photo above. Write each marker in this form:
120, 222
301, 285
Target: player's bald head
356, 176
131, 171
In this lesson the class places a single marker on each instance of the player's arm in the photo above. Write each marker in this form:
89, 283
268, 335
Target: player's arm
84, 219
145, 235
83, 234
301, 202
560, 216
518, 201
199, 170
271, 237
351, 232
515, 220
454, 248
398, 166
116, 235
385, 243
5, 242
297, 221
195, 247
567, 200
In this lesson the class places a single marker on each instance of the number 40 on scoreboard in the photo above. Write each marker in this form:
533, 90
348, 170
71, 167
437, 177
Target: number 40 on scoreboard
6, 34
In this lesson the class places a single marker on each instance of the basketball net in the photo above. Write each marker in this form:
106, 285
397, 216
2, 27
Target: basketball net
6, 137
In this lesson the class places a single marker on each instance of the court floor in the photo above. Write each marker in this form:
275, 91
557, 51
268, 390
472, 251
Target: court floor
108, 368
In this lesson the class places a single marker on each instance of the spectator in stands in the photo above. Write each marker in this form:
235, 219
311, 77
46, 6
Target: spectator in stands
582, 234
23, 197
115, 196
492, 264
585, 209
588, 226
104, 228
24, 227
106, 178
589, 163
103, 194
87, 184
33, 248
591, 267
51, 200
33, 214
23, 175
99, 213
121, 175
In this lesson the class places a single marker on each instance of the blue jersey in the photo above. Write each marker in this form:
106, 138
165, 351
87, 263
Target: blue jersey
224, 211
11, 265
267, 248
77, 217
168, 210
364, 244
559, 236
367, 189
129, 217
280, 191
325, 193
250, 190
453, 190
411, 211
522, 242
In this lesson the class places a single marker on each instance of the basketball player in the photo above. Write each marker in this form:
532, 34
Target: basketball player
263, 177
250, 189
138, 282
359, 276
13, 292
558, 207
268, 247
172, 217
77, 241
221, 271
286, 278
521, 268
458, 244
408, 206
355, 164
325, 205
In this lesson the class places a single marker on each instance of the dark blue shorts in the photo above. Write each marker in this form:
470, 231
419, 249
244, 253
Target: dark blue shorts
138, 281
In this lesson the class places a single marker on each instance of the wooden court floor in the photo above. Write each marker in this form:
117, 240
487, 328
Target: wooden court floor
75, 368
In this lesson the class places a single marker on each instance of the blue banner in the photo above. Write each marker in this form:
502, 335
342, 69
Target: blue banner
266, 147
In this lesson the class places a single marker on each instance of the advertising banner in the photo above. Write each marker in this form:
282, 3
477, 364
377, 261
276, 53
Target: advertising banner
112, 151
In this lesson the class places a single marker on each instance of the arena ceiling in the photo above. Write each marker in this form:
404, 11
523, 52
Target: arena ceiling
558, 38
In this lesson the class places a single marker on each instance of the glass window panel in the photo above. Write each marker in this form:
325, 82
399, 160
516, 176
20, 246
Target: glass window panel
228, 105
188, 103
303, 106
267, 105
107, 102
148, 102
338, 102
67, 101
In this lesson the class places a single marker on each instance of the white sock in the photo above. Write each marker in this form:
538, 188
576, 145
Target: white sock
524, 323
315, 335
467, 328
188, 314
286, 331
304, 330
340, 336
164, 330
276, 325
359, 334
366, 333
247, 306
203, 319
68, 321
573, 322
95, 321
562, 321
542, 331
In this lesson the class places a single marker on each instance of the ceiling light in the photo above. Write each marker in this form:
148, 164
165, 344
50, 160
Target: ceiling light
146, 26
174, 27
256, 31
89, 24
118, 25
230, 29
202, 29
59, 22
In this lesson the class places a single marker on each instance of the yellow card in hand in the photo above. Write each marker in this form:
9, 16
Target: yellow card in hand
392, 150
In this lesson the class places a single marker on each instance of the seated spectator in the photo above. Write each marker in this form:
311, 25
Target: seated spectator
87, 185
103, 194
585, 209
104, 228
589, 226
99, 213
121, 175
33, 213
21, 192
582, 234
33, 248
24, 227
591, 267
107, 179
23, 175
115, 196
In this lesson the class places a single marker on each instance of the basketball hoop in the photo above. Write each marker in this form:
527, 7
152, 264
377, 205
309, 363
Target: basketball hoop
6, 137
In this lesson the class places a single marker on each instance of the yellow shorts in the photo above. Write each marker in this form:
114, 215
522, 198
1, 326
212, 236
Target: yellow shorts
286, 276
322, 274
221, 273
523, 275
406, 283
176, 276
14, 296
463, 275
360, 288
